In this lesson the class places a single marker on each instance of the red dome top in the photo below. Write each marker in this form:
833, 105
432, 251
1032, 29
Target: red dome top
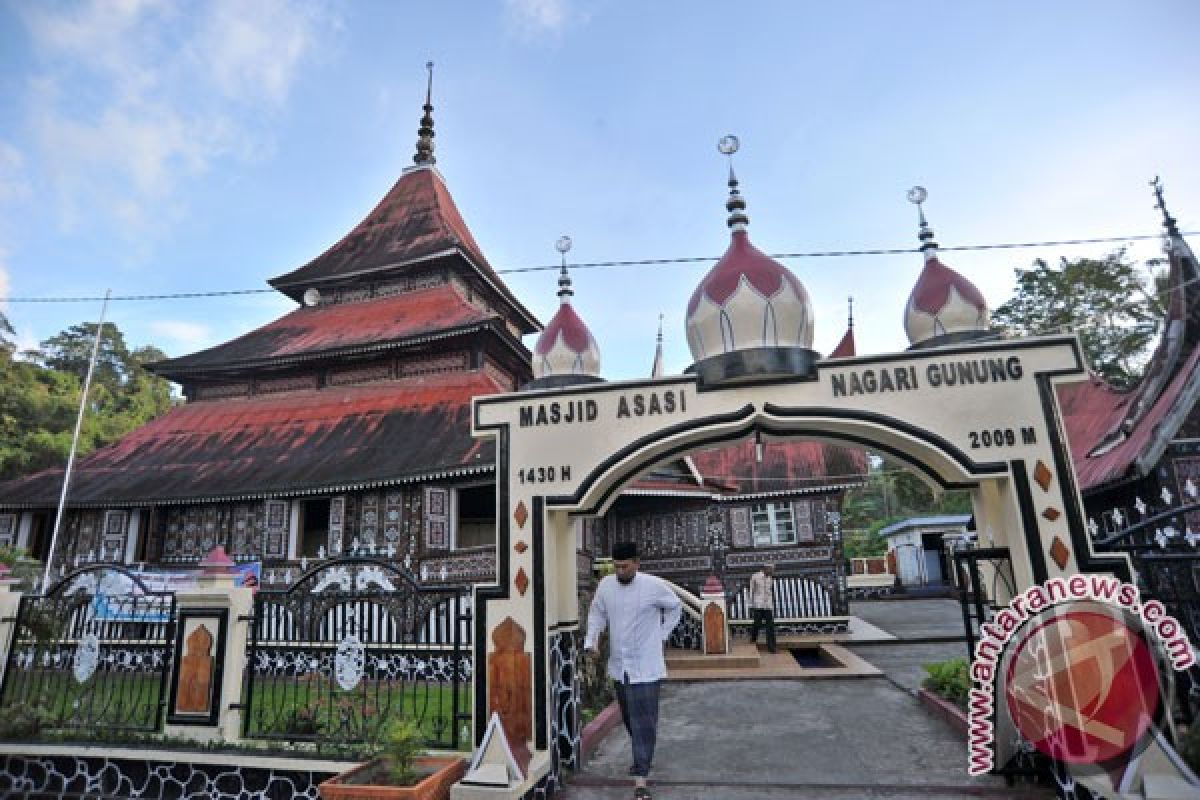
743, 259
575, 334
933, 288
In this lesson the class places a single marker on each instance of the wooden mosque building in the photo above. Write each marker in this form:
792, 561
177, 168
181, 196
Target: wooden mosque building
344, 426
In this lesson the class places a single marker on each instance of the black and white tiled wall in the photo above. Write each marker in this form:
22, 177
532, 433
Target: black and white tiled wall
61, 776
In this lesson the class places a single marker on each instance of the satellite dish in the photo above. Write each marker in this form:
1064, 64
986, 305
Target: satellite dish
311, 297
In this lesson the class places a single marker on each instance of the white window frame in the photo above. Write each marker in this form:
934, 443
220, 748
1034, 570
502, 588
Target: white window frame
773, 524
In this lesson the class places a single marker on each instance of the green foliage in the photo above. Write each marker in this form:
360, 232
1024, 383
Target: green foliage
402, 745
25, 720
1106, 302
39, 399
891, 493
9, 556
949, 680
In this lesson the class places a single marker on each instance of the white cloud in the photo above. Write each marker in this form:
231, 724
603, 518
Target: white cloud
188, 336
136, 96
532, 18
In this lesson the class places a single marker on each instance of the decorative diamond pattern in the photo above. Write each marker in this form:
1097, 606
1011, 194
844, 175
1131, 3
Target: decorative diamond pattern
520, 547
522, 581
521, 514
1060, 553
1052, 513
1042, 475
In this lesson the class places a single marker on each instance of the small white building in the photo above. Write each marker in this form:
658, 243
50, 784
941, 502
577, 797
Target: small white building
918, 547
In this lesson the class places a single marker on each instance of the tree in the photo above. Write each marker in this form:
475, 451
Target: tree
39, 399
7, 345
1106, 302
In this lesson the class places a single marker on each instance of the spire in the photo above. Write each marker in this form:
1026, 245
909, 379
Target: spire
846, 347
563, 246
1161, 204
656, 371
917, 196
425, 134
736, 204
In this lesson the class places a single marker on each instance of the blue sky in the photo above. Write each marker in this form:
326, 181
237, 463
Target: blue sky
155, 147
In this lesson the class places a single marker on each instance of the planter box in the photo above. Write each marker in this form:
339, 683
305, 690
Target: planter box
955, 716
441, 772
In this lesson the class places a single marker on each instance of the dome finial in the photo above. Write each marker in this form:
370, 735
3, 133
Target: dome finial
425, 134
917, 195
656, 369
850, 311
736, 204
1161, 204
563, 246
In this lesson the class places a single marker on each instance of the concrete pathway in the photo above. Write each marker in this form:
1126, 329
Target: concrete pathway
918, 619
834, 738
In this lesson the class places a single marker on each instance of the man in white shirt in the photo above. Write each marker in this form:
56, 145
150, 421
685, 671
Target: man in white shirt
762, 605
640, 611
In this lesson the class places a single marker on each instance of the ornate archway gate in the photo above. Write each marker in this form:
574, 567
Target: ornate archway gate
978, 416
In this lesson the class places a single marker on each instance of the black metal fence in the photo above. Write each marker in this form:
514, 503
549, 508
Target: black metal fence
91, 653
353, 645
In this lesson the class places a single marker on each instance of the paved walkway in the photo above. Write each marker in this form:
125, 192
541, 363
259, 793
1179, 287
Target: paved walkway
865, 738
831, 738
926, 618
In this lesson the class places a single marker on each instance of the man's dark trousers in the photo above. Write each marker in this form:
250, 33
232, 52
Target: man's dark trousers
766, 617
639, 712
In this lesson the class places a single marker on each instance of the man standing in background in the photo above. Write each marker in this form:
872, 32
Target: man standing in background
640, 611
762, 605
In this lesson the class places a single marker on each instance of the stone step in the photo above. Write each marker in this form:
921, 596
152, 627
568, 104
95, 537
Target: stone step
743, 657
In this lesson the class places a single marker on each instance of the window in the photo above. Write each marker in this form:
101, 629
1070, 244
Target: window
314, 532
773, 524
476, 517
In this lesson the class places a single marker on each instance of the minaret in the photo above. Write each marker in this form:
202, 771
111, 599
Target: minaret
944, 307
566, 353
750, 317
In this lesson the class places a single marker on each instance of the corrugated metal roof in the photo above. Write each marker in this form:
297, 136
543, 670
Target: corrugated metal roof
338, 327
284, 443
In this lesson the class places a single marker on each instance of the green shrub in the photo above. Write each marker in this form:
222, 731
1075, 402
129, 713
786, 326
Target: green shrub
25, 720
949, 680
402, 744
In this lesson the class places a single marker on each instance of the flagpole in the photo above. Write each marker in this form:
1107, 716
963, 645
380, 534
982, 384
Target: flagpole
83, 400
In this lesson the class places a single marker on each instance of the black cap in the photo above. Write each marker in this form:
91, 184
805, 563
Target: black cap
623, 551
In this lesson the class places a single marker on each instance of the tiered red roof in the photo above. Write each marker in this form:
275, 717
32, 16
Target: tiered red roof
845, 348
337, 328
1116, 435
330, 439
785, 467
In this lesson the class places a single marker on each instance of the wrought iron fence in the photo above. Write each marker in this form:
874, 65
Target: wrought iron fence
352, 645
1165, 551
92, 652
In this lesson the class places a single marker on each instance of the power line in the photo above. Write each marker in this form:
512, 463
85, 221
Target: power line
632, 263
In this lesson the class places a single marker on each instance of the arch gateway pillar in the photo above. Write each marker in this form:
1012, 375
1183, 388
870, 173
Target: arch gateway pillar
979, 416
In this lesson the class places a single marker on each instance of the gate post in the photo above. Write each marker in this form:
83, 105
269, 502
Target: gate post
10, 601
221, 605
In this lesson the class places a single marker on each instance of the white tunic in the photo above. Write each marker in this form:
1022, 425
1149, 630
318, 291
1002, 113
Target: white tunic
640, 617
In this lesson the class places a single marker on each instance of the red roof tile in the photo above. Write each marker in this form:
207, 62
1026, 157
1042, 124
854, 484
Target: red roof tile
786, 466
415, 221
337, 327
1092, 410
845, 348
255, 446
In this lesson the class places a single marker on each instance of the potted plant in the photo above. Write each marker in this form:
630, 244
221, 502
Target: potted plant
401, 772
